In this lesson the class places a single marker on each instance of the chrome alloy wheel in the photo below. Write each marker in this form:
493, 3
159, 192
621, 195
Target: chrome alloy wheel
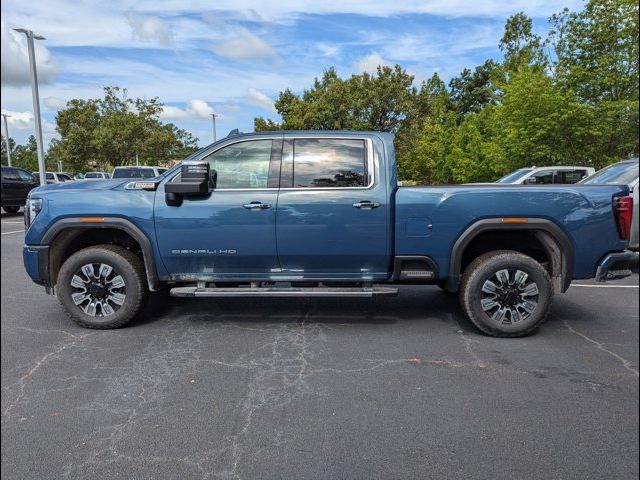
99, 290
509, 297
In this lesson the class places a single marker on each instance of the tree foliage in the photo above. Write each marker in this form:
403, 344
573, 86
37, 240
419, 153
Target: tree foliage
571, 98
114, 129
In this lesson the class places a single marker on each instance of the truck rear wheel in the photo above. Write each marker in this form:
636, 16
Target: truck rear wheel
11, 209
506, 293
102, 287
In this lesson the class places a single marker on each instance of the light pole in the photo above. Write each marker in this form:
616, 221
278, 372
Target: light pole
36, 99
213, 117
6, 138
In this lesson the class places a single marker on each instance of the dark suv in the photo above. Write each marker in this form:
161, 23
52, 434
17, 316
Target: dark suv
16, 185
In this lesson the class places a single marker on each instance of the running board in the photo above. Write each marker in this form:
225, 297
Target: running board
282, 292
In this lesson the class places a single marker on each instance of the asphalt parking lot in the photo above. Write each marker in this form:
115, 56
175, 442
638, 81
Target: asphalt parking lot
291, 389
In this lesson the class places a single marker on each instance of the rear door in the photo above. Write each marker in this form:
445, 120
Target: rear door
11, 186
333, 209
229, 233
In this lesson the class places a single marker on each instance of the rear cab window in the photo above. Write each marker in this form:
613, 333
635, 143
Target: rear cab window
325, 163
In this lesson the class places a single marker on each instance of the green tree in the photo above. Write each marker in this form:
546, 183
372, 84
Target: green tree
12, 146
114, 129
521, 47
472, 91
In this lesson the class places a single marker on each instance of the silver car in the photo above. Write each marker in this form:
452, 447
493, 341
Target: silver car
622, 173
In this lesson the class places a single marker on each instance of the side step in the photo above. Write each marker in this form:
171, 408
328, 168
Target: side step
282, 292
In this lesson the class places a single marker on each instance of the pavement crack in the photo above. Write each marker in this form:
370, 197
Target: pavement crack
20, 383
601, 346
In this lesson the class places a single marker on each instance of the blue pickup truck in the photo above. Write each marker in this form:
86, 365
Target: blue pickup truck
319, 214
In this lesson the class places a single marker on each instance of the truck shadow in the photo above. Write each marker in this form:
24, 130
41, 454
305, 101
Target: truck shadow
417, 303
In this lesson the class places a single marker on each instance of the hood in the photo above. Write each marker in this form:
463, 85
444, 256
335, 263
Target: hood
81, 185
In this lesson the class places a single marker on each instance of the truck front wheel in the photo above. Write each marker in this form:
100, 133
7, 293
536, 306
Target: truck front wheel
506, 293
102, 287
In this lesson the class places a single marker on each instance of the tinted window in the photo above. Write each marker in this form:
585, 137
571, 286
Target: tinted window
26, 176
64, 178
93, 175
544, 177
616, 174
161, 171
10, 174
570, 176
133, 173
319, 162
241, 165
49, 176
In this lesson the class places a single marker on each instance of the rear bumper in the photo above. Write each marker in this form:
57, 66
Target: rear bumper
36, 263
615, 265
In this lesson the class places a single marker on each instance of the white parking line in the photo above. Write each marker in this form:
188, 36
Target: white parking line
603, 286
15, 231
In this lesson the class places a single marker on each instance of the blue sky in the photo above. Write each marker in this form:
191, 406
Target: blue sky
233, 57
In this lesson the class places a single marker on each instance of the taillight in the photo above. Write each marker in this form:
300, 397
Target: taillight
624, 214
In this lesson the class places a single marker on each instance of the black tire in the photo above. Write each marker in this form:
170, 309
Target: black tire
123, 263
11, 209
510, 316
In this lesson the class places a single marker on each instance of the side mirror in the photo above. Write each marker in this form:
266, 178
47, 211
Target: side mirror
194, 179
531, 180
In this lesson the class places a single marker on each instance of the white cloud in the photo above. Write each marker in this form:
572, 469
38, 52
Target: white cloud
196, 109
150, 29
369, 63
244, 45
259, 99
54, 103
15, 59
327, 49
24, 121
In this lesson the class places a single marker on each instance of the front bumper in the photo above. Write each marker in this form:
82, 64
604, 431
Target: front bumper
614, 266
36, 262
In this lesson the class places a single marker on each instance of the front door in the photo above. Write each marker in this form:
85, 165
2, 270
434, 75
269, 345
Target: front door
333, 212
229, 233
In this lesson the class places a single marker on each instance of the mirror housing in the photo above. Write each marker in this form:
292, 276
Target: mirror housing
194, 179
531, 180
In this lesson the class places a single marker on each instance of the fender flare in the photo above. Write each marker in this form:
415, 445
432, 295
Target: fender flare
552, 234
120, 224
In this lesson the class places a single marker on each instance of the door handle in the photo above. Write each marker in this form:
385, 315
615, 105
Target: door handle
256, 206
366, 205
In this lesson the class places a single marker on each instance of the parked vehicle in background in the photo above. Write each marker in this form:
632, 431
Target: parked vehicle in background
54, 177
622, 173
319, 213
137, 172
16, 185
547, 175
97, 176
78, 176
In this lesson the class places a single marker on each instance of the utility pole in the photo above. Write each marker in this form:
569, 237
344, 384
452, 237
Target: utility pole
36, 99
213, 117
6, 138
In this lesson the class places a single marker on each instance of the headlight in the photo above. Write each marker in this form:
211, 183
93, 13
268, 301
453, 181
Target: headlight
31, 210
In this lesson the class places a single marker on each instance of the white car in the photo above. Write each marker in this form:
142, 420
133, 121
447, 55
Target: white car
96, 175
137, 172
54, 177
547, 175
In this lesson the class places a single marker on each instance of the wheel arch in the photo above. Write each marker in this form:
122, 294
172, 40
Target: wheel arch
64, 231
552, 239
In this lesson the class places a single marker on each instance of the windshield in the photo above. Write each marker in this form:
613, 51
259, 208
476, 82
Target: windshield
623, 173
133, 173
93, 175
512, 177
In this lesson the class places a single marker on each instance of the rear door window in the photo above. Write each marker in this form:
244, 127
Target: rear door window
328, 162
10, 174
570, 176
26, 176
